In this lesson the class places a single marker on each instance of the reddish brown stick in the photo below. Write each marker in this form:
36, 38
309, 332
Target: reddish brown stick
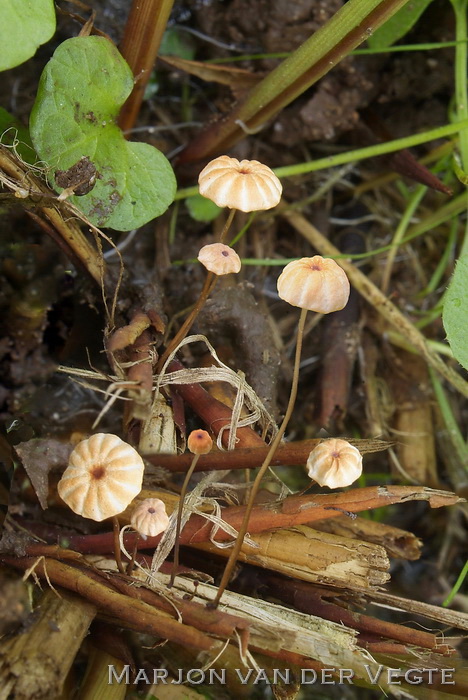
295, 510
289, 453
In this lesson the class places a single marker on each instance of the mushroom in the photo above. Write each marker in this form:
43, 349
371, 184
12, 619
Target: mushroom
149, 518
301, 286
219, 259
199, 443
103, 476
317, 284
334, 463
247, 185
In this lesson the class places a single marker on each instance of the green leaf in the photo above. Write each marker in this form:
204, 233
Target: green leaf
74, 117
398, 25
14, 133
455, 311
24, 26
202, 209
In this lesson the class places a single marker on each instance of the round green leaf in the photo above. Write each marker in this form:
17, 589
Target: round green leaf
80, 93
202, 209
455, 312
24, 25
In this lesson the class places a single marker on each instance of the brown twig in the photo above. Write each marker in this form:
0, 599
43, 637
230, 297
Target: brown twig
144, 29
295, 510
287, 454
129, 611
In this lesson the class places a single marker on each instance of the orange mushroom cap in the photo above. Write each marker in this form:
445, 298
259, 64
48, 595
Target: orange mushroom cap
199, 442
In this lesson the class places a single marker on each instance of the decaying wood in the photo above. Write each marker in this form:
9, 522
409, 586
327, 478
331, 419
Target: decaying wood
35, 663
400, 544
316, 600
287, 454
309, 555
414, 424
451, 618
96, 681
292, 511
132, 613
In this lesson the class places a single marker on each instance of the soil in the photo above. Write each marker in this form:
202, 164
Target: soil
52, 314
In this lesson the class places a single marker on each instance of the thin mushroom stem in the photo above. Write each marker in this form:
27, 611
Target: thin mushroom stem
207, 288
227, 225
266, 463
117, 553
179, 518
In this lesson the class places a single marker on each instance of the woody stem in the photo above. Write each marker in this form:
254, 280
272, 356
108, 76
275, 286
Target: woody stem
266, 463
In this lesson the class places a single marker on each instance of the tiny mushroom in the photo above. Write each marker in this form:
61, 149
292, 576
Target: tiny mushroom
317, 284
103, 476
199, 443
247, 185
334, 463
149, 518
219, 258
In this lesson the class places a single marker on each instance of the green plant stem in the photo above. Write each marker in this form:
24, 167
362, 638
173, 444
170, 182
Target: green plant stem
355, 155
460, 8
266, 463
349, 27
180, 509
457, 586
456, 438
413, 204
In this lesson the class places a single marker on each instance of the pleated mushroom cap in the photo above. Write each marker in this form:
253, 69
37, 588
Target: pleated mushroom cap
334, 463
219, 258
103, 476
247, 185
317, 284
149, 517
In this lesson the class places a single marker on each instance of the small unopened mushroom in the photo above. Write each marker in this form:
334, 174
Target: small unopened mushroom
219, 258
199, 443
103, 476
149, 518
247, 185
317, 284
334, 463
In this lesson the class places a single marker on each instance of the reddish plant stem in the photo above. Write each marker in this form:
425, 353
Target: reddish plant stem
295, 510
288, 453
129, 611
311, 599
214, 413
